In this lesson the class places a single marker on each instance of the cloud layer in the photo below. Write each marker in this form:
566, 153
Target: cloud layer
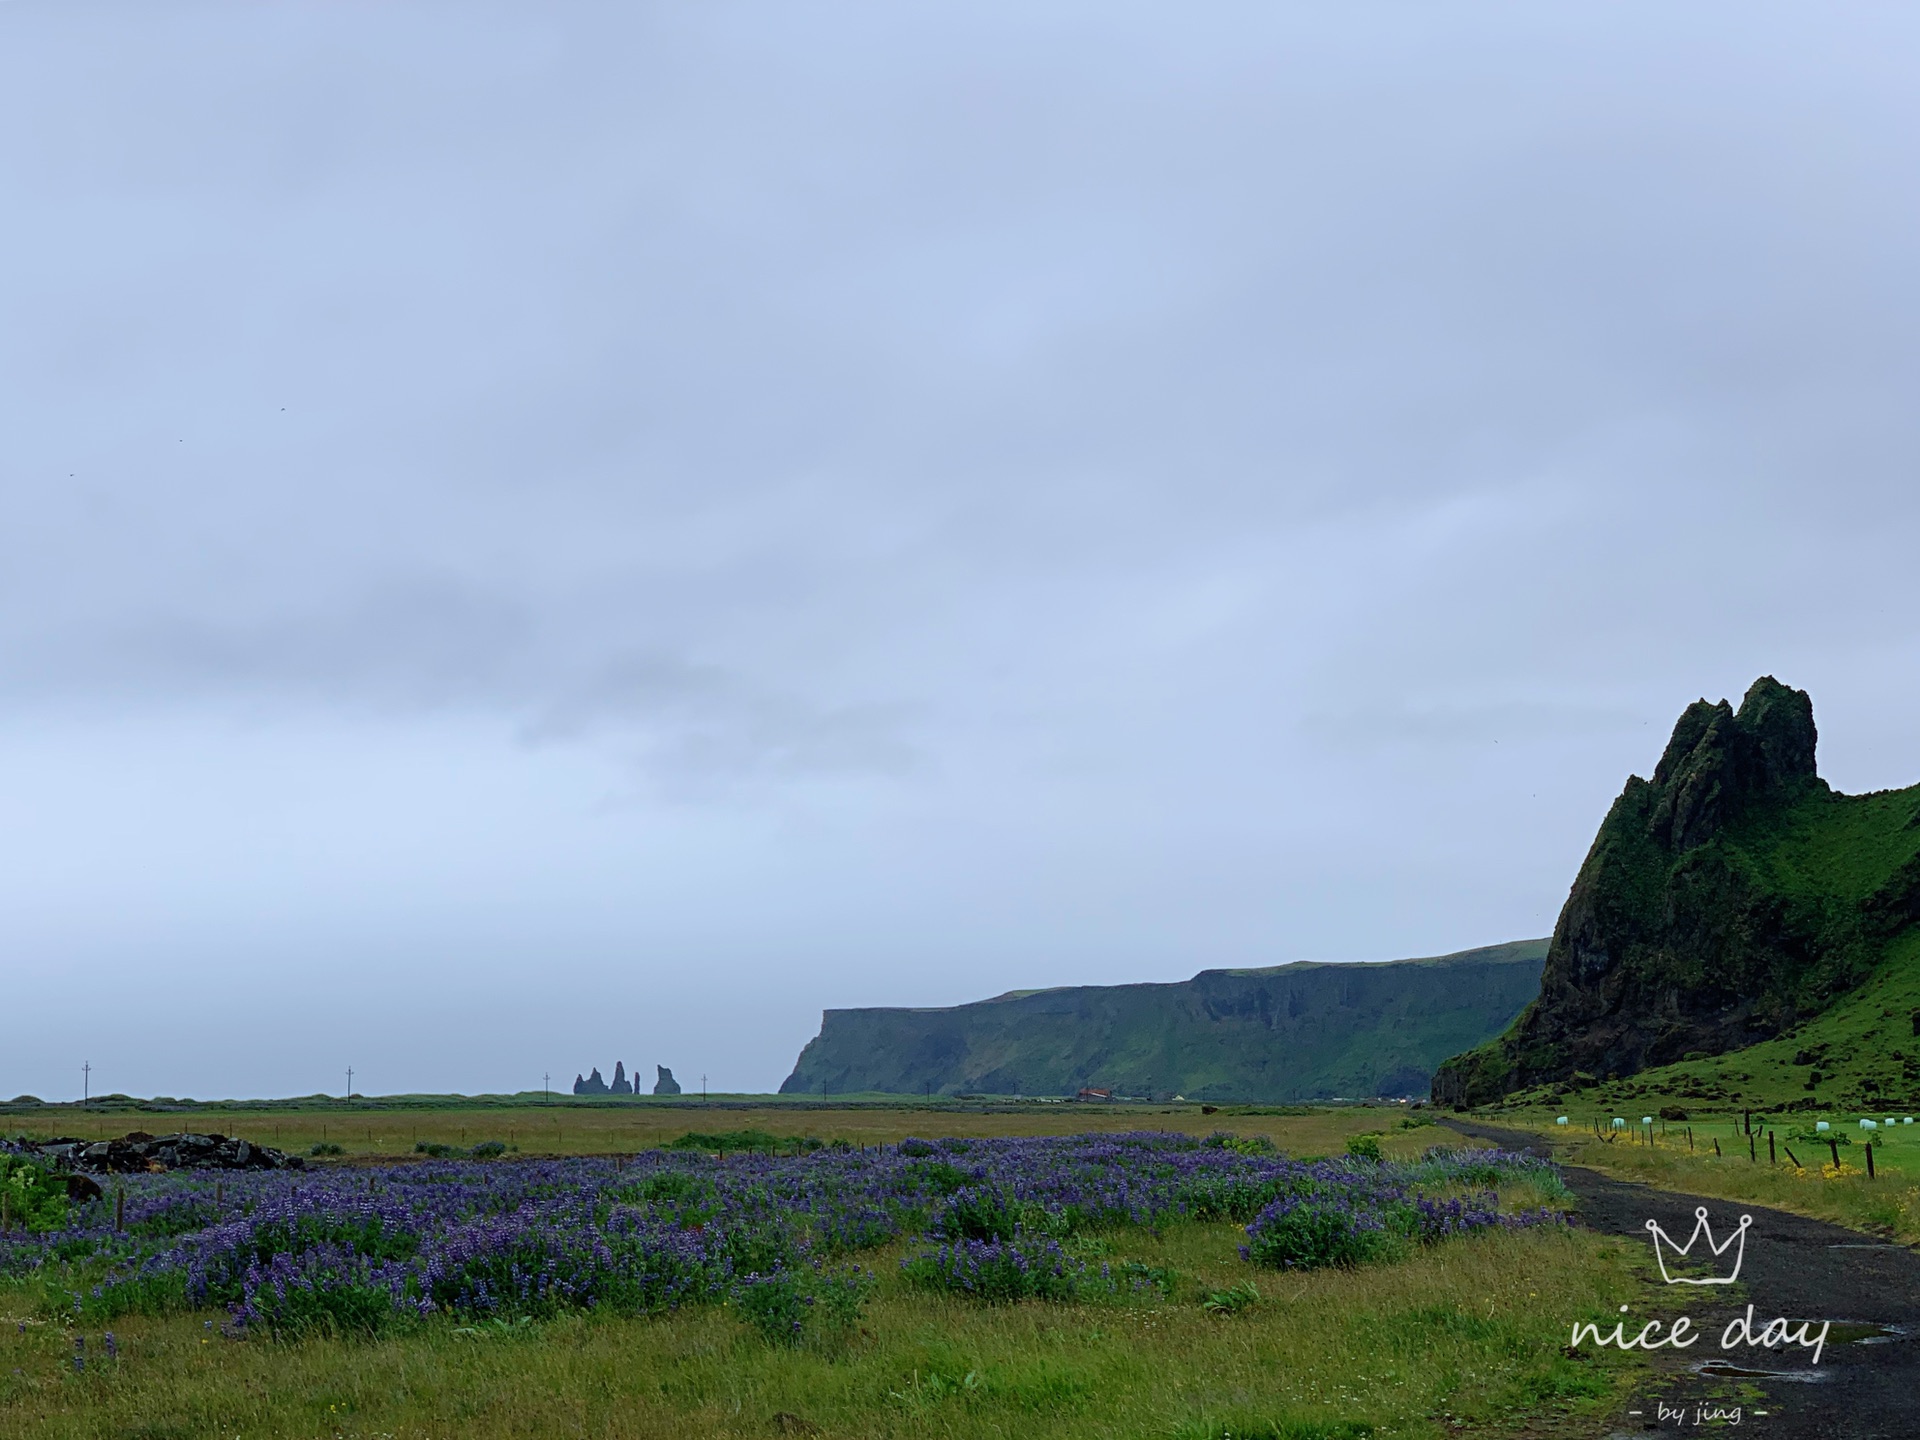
535, 537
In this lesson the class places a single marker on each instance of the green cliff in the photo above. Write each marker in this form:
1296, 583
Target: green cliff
1292, 1032
1725, 902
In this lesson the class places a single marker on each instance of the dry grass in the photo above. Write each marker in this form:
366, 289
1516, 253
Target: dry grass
624, 1129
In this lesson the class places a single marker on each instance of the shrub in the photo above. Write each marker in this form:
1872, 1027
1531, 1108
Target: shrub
669, 1187
488, 1150
938, 1176
1807, 1135
981, 1212
1235, 1197
1232, 1300
1241, 1145
1365, 1147
326, 1147
35, 1197
727, 1142
1309, 1232
1025, 1267
789, 1306
329, 1291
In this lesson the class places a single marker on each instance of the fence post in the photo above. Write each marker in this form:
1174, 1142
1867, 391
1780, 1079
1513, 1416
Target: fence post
1771, 1158
1869, 1159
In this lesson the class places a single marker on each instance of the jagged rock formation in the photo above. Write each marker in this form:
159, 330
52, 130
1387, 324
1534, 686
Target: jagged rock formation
1291, 1032
592, 1085
139, 1152
1724, 900
665, 1084
620, 1085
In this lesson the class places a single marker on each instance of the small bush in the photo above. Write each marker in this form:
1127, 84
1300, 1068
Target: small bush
35, 1197
488, 1150
757, 1141
1807, 1135
1365, 1147
981, 1212
789, 1306
1025, 1267
325, 1147
669, 1187
1310, 1232
1241, 1144
1232, 1300
939, 1177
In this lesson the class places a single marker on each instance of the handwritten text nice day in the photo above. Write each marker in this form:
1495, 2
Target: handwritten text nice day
1680, 1334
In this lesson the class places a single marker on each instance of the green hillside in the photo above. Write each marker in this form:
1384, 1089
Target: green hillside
1735, 906
1859, 1057
1292, 1032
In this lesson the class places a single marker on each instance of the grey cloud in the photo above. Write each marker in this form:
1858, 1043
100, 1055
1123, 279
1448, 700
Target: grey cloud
996, 494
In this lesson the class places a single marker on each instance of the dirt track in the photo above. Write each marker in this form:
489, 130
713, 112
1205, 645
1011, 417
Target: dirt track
1863, 1388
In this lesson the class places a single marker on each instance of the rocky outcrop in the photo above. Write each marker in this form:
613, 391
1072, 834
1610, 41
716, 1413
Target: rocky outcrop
138, 1153
1722, 901
592, 1085
620, 1085
665, 1084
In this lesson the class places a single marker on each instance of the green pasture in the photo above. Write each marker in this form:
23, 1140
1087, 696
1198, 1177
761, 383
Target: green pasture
1886, 1202
1463, 1338
1467, 1337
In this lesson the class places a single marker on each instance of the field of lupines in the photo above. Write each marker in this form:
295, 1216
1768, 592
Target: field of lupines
353, 1250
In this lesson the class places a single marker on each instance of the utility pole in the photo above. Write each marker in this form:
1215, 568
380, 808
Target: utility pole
349, 1083
703, 1089
546, 1088
86, 1085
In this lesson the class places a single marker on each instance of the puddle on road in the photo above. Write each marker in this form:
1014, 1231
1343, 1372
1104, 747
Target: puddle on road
1726, 1370
1839, 1332
1858, 1332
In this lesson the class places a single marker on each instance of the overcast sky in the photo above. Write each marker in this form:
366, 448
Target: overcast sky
537, 535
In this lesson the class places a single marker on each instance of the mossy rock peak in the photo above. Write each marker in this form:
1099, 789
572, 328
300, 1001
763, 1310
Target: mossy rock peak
1722, 902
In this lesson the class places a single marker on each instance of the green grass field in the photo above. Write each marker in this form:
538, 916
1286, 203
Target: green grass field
1463, 1338
1887, 1203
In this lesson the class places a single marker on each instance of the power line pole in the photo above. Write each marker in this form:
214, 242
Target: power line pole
703, 1089
546, 1088
86, 1085
349, 1082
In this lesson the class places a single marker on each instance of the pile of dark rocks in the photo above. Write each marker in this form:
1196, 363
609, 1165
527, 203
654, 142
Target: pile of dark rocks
138, 1153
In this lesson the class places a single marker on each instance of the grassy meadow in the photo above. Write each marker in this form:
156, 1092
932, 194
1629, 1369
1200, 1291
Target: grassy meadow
1887, 1203
1465, 1337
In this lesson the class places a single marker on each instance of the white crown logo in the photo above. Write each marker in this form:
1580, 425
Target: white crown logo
1737, 1242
